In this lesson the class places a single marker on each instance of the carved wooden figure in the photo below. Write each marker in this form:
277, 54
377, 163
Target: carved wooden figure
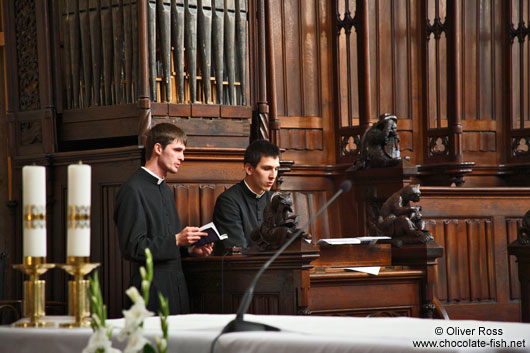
279, 223
402, 221
380, 144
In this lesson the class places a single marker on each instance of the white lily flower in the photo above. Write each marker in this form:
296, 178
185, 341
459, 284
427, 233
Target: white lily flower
100, 340
135, 315
161, 343
136, 341
133, 293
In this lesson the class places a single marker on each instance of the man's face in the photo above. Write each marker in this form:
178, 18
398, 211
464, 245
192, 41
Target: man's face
171, 157
263, 176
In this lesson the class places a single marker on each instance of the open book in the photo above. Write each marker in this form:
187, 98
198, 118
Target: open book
213, 235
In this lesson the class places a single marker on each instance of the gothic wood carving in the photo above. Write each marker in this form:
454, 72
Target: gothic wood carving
27, 56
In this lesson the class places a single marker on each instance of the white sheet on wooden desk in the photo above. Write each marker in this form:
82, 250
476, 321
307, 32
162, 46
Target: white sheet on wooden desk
300, 334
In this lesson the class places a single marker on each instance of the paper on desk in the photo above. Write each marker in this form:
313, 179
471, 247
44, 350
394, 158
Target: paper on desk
373, 270
338, 241
371, 239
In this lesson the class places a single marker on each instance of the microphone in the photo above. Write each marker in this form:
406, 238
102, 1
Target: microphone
239, 324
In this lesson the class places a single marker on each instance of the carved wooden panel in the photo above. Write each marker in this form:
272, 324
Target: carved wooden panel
115, 272
195, 202
468, 246
479, 141
512, 226
302, 40
476, 276
302, 139
262, 304
352, 294
27, 57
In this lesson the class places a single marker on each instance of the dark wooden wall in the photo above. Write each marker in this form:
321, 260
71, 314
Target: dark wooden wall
319, 72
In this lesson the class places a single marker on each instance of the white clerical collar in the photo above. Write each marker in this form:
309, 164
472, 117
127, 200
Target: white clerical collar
252, 191
160, 181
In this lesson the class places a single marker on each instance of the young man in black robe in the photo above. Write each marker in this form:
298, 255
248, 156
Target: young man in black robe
239, 209
147, 217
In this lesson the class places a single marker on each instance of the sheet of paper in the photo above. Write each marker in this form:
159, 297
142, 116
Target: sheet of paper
373, 270
338, 241
369, 239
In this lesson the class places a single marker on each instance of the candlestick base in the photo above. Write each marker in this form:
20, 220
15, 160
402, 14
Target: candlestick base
78, 298
34, 293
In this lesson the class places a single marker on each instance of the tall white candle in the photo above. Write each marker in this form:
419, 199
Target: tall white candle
78, 212
34, 210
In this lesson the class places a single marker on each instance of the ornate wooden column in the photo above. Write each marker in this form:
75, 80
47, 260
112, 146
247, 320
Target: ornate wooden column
363, 50
262, 119
274, 122
443, 155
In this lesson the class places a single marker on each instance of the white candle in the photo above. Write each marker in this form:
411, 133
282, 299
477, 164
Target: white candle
78, 211
34, 210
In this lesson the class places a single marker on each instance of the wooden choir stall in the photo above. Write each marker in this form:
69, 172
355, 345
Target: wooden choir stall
385, 94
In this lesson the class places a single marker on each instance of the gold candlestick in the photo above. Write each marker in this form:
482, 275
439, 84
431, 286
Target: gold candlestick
34, 294
78, 299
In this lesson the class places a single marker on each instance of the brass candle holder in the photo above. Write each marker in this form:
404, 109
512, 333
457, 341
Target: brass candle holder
34, 295
78, 297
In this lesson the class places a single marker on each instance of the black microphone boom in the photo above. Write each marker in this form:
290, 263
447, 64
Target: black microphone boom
240, 325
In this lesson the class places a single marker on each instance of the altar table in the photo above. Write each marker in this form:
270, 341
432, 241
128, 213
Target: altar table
194, 333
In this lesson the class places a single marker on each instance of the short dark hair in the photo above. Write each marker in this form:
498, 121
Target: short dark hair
164, 134
258, 149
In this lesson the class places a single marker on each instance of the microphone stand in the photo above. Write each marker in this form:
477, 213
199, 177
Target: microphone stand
239, 324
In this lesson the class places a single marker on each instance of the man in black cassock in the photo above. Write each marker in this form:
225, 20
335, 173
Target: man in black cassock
147, 217
239, 209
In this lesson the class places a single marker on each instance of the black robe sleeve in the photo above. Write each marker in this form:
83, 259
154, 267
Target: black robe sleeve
228, 220
131, 215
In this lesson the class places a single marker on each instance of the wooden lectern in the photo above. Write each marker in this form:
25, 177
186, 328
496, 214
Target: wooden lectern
307, 280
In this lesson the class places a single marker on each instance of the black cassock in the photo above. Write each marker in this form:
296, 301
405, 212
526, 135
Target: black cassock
147, 217
237, 212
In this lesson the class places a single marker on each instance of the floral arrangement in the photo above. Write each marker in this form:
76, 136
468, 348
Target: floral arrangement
100, 341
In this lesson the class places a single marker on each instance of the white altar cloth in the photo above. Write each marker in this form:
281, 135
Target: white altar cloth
300, 334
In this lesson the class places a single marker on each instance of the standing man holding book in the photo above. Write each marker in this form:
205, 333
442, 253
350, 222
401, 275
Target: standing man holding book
147, 217
239, 209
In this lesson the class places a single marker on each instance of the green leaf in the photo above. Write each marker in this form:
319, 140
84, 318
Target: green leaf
149, 349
